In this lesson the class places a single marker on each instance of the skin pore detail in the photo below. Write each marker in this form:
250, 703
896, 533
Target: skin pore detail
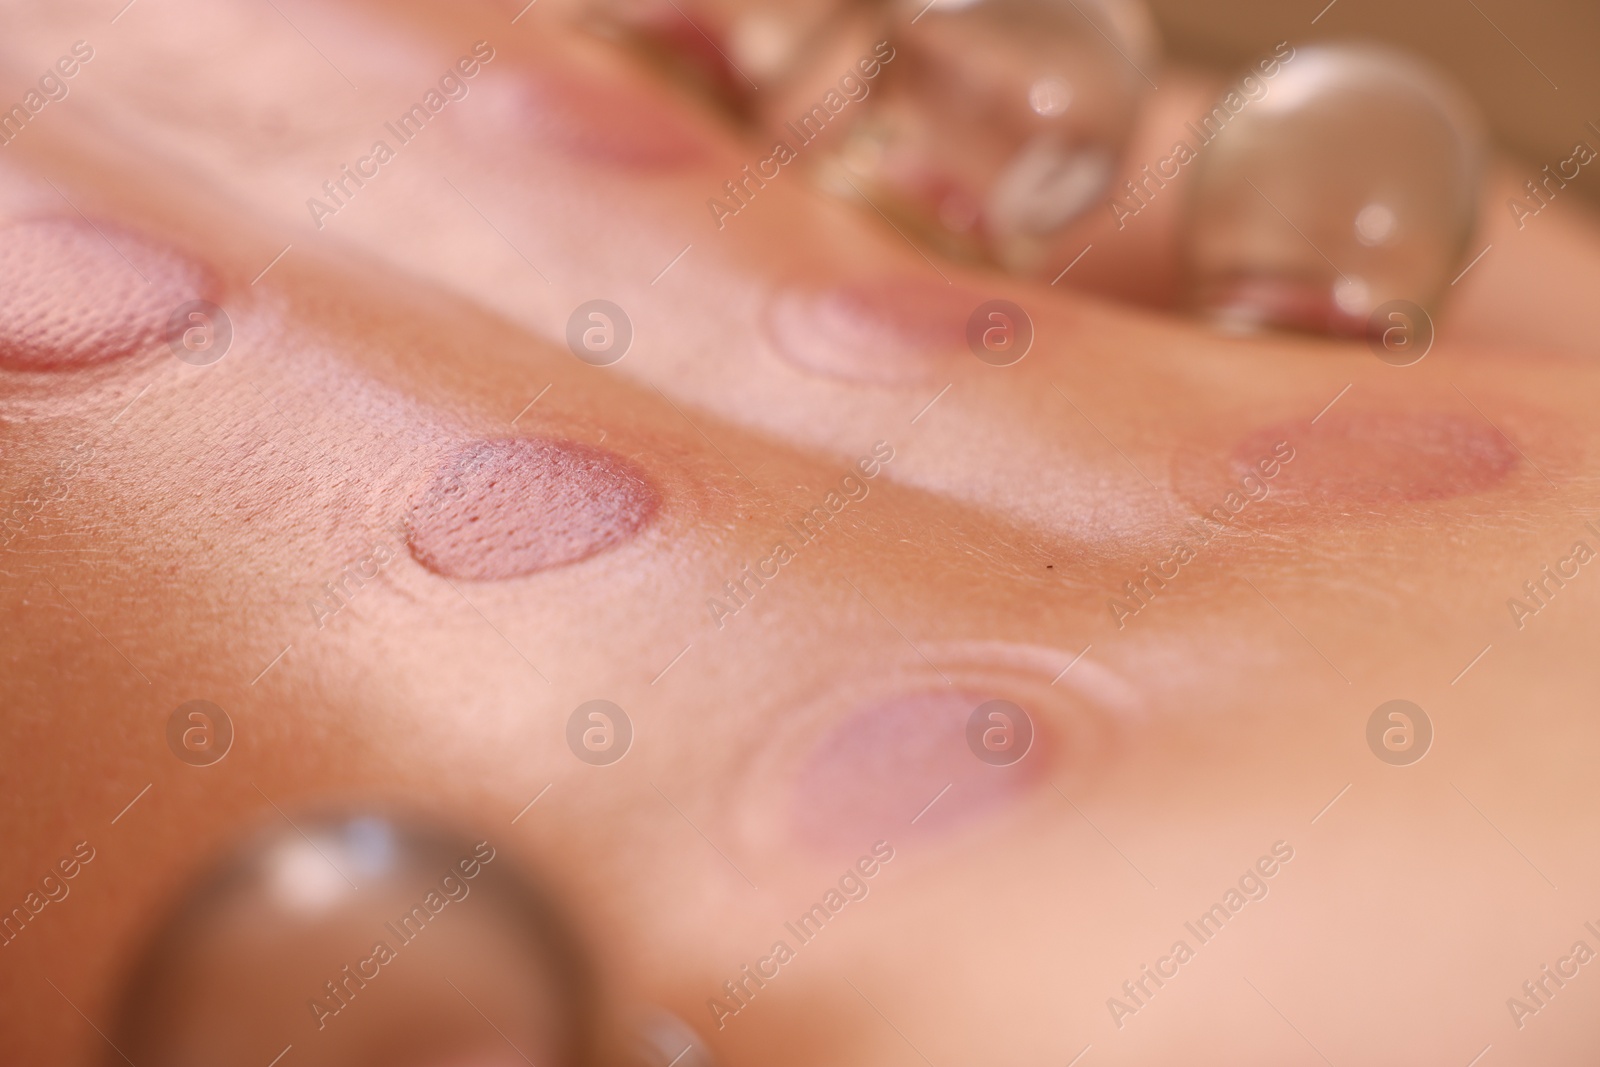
512, 507
73, 295
891, 331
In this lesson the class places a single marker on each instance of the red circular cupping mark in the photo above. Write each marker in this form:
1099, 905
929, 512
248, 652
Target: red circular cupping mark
74, 294
883, 765
1350, 464
882, 331
512, 507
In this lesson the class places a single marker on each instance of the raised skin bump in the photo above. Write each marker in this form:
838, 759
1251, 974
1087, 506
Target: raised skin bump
510, 507
72, 295
883, 332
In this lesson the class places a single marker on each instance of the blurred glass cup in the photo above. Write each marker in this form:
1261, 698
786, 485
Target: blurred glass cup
359, 939
994, 125
1352, 183
984, 127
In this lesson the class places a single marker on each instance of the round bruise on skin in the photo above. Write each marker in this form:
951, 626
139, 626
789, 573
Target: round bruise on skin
895, 331
878, 768
611, 124
72, 295
1353, 462
511, 507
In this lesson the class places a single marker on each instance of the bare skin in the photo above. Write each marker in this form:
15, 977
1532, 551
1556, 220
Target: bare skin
1195, 733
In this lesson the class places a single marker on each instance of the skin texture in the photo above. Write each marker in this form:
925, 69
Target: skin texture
512, 507
183, 530
74, 296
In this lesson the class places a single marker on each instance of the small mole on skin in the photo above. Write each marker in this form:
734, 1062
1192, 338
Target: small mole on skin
877, 769
885, 332
515, 506
72, 296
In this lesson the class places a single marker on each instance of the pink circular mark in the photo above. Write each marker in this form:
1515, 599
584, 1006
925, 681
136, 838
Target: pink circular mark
72, 295
889, 332
1375, 458
611, 124
512, 507
879, 768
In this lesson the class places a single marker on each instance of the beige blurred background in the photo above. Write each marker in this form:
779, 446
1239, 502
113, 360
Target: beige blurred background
1538, 116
